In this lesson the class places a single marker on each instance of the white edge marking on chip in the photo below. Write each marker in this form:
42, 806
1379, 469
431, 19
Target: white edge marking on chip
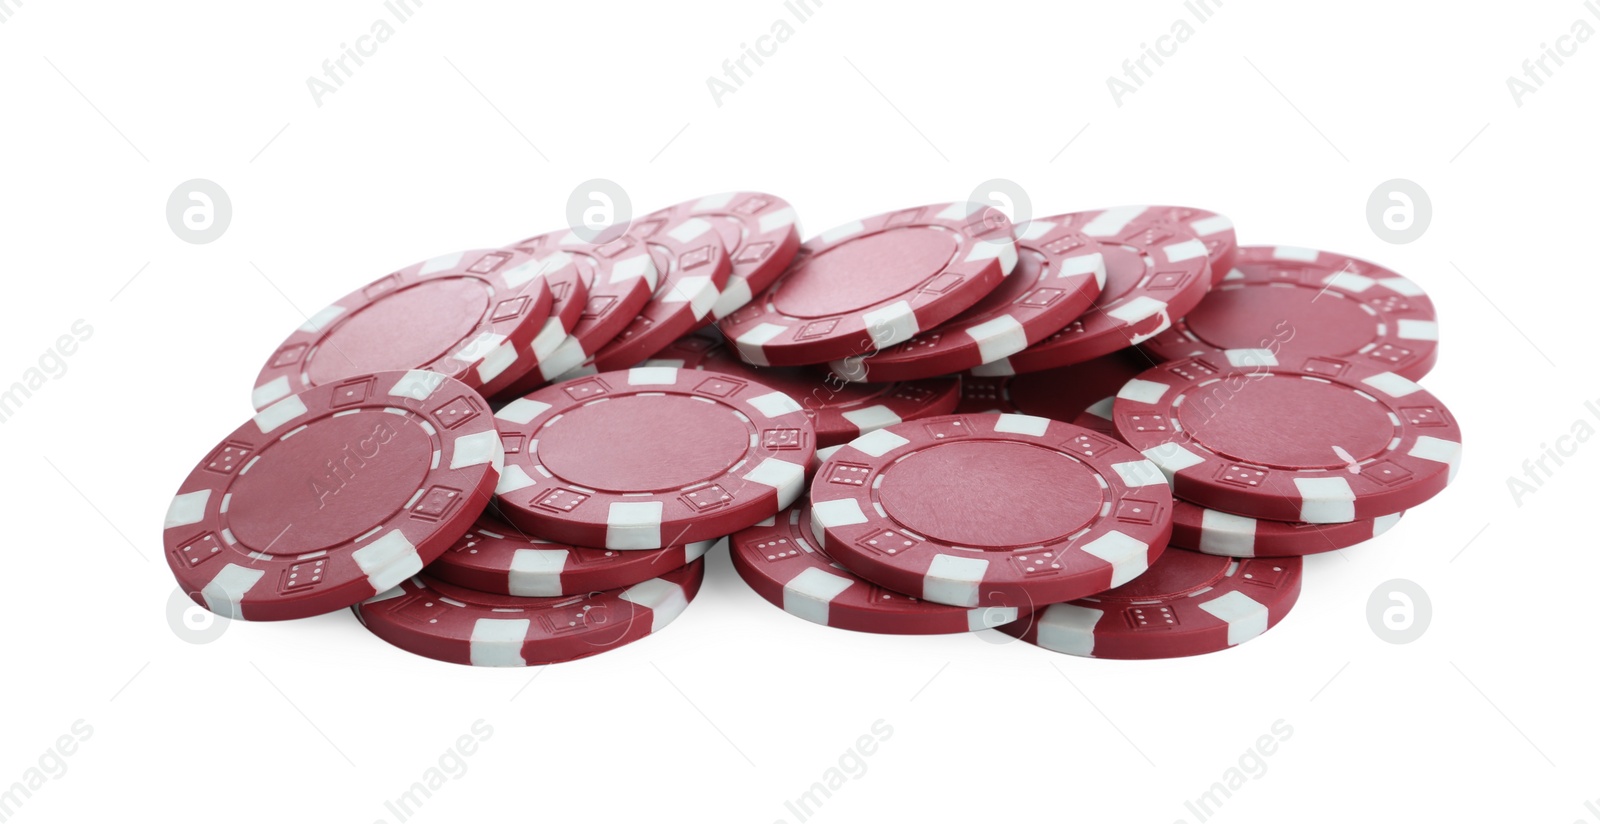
476, 449
1021, 424
1348, 281
1295, 253
961, 210
1404, 286
323, 319
1392, 385
1250, 357
634, 525
877, 443
1438, 449
1185, 250
1208, 226
187, 509
417, 384
788, 479
1102, 408
842, 231
1035, 229
999, 369
1112, 221
388, 561
638, 266
690, 229
497, 642
652, 376
1224, 533
522, 410
751, 343
809, 594
496, 362
270, 392
1093, 263
567, 355
773, 221
280, 413
998, 338
1141, 391
693, 552
732, 298
954, 580
870, 419
989, 617
228, 587
441, 263
513, 478
665, 600
1417, 329
550, 338
1384, 524
1172, 458
895, 323
835, 514
1139, 473
479, 347
1139, 309
1326, 500
825, 454
1069, 629
1128, 556
775, 404
536, 573
1246, 617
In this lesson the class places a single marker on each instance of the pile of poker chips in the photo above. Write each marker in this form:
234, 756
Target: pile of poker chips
1111, 433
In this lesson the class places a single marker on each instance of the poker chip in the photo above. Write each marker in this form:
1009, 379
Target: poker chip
1214, 230
429, 617
1316, 439
1188, 603
931, 508
621, 277
874, 283
1288, 301
1062, 394
651, 457
760, 232
1222, 533
462, 315
840, 412
570, 290
781, 561
1156, 270
499, 558
1058, 275
694, 267
332, 495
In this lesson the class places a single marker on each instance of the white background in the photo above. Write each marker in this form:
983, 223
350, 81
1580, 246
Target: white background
472, 125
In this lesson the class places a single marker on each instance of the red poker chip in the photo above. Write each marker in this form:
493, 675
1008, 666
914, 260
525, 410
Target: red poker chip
1063, 394
462, 315
1223, 533
1156, 270
781, 561
1187, 604
760, 232
651, 457
621, 277
1058, 275
570, 289
840, 412
930, 508
499, 558
1287, 301
1214, 230
694, 267
1315, 439
429, 617
874, 283
332, 495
